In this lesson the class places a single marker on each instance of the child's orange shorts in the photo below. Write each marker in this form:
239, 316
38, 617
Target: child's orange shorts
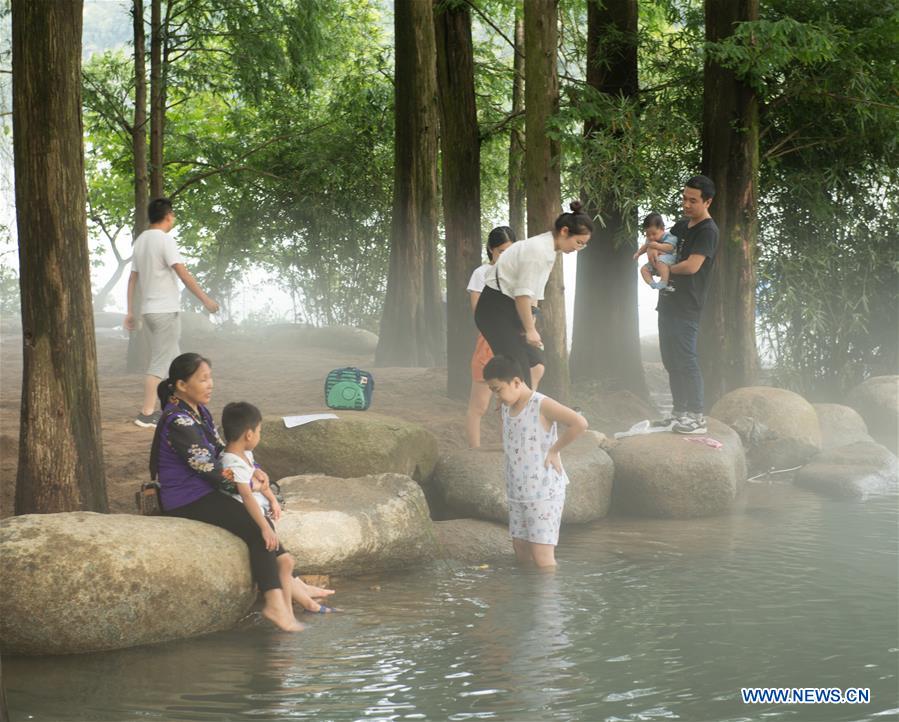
482, 354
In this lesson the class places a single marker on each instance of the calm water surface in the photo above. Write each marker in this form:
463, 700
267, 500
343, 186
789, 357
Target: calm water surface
643, 620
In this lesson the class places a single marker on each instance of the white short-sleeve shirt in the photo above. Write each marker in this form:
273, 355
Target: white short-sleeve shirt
154, 255
524, 267
243, 474
479, 278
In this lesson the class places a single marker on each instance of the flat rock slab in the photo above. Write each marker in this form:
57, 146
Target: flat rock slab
862, 470
791, 434
471, 483
665, 475
356, 444
83, 582
840, 425
363, 525
473, 541
877, 400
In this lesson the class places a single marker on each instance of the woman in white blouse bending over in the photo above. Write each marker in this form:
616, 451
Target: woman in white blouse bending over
500, 239
504, 313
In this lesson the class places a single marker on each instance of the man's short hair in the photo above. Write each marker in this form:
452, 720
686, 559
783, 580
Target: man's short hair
703, 184
502, 368
238, 418
158, 209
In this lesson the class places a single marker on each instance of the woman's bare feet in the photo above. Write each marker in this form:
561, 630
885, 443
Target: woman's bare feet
279, 614
313, 591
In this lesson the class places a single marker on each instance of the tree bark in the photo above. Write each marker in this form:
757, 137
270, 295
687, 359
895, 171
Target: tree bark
60, 450
542, 177
157, 100
730, 157
606, 332
138, 354
517, 194
412, 322
461, 165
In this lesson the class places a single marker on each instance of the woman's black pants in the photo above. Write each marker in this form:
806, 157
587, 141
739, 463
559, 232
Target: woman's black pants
497, 320
226, 512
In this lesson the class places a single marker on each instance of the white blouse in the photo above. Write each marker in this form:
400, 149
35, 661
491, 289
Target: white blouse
524, 267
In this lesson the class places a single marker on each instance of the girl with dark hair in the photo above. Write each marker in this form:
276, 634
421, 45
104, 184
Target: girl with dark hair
185, 455
504, 313
499, 239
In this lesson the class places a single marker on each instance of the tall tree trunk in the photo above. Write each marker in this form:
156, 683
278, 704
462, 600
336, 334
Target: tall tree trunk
730, 157
157, 99
412, 323
60, 450
542, 177
139, 129
138, 355
517, 195
606, 334
461, 164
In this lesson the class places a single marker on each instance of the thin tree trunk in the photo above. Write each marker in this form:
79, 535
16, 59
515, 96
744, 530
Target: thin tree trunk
542, 177
605, 305
412, 322
60, 450
138, 355
461, 165
157, 100
730, 157
517, 194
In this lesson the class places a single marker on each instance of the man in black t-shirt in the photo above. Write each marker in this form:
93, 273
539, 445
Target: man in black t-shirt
680, 309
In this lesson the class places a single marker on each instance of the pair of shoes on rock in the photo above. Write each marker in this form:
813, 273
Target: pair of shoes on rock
690, 423
667, 423
148, 421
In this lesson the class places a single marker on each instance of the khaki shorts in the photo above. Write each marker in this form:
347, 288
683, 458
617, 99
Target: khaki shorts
164, 331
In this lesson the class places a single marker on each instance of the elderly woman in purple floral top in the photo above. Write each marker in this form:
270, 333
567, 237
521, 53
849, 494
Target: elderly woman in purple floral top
185, 455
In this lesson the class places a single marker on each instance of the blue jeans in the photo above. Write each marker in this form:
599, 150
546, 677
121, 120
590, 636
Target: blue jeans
677, 344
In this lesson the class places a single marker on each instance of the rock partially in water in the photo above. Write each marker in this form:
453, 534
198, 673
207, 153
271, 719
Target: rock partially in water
667, 475
356, 444
471, 483
860, 471
473, 541
840, 425
355, 526
877, 400
792, 435
83, 582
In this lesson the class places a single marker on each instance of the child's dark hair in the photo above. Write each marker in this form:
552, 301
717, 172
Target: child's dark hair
703, 184
577, 222
158, 209
502, 368
499, 236
654, 220
238, 417
181, 369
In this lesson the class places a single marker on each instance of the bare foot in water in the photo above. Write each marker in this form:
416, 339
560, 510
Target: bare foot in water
313, 591
283, 621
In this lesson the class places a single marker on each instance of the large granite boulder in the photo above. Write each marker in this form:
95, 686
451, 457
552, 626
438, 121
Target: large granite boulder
673, 476
840, 425
345, 339
356, 444
789, 434
473, 541
354, 526
877, 400
85, 582
856, 471
470, 483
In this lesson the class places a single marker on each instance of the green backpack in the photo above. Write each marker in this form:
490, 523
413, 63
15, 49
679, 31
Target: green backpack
349, 388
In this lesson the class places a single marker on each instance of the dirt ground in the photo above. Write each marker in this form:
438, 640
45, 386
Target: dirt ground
277, 375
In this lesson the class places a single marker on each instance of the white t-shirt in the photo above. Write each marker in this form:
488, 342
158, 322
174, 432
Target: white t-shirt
243, 474
524, 267
155, 253
479, 278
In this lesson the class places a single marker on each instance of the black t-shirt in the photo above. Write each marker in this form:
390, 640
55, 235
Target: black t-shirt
690, 291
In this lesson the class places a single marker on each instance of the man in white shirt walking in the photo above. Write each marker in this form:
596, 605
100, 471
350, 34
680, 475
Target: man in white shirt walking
157, 263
